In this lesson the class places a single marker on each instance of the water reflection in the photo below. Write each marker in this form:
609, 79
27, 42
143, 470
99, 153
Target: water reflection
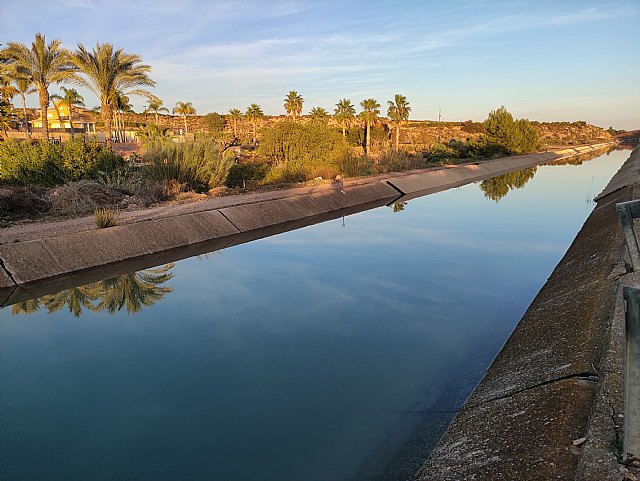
497, 188
131, 291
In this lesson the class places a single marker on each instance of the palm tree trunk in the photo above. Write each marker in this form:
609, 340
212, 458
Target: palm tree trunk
254, 133
344, 134
71, 121
24, 114
397, 137
156, 117
106, 117
235, 128
185, 123
44, 103
368, 143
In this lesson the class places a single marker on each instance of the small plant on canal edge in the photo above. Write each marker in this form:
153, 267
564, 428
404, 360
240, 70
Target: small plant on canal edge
106, 218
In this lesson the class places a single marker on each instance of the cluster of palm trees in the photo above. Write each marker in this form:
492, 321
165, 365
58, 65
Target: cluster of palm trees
109, 72
113, 75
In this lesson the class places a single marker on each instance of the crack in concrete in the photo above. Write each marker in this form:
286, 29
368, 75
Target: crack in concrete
396, 188
4, 268
584, 376
229, 220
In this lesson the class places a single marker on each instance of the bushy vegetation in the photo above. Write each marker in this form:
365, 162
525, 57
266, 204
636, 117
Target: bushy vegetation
104, 218
197, 166
513, 136
298, 151
249, 174
47, 164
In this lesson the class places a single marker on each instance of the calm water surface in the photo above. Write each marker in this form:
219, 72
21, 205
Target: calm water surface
334, 352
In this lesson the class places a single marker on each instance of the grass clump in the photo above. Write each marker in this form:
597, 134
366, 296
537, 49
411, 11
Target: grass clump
197, 166
106, 217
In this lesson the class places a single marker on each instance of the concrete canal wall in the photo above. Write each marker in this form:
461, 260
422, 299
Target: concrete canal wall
33, 267
549, 405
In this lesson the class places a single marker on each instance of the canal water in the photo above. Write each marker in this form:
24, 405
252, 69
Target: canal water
339, 351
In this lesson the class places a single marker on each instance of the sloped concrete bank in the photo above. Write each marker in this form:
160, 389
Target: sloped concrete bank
558, 377
44, 264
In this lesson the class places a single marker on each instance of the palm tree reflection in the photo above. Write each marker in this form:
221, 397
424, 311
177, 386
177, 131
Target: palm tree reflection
130, 291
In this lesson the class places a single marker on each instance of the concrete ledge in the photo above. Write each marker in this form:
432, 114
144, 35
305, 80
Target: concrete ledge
539, 393
442, 179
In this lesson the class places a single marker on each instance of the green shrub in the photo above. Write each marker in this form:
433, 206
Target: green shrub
298, 148
396, 161
356, 165
197, 166
289, 174
44, 163
243, 174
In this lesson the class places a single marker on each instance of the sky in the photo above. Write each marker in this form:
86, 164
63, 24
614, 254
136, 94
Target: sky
558, 60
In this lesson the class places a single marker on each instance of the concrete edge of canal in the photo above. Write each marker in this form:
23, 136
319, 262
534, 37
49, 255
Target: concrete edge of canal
33, 267
550, 405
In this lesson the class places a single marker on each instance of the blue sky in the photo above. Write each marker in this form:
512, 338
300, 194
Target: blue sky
544, 60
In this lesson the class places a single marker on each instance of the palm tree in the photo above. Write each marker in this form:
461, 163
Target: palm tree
107, 70
71, 97
121, 106
42, 64
24, 88
155, 106
370, 112
184, 109
318, 114
345, 113
293, 104
398, 112
254, 113
235, 115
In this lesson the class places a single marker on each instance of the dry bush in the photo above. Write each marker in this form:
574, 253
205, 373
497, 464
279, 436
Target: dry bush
82, 197
23, 202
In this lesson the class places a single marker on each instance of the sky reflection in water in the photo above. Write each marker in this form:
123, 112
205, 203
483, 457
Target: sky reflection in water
312, 355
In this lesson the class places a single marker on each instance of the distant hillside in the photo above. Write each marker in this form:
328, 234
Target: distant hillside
416, 135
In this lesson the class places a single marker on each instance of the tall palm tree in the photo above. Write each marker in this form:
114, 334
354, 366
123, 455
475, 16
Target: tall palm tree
71, 98
370, 113
254, 113
43, 64
184, 109
155, 106
398, 111
24, 86
319, 115
293, 104
235, 115
107, 70
345, 113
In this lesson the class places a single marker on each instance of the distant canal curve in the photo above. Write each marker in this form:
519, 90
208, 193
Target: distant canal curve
338, 351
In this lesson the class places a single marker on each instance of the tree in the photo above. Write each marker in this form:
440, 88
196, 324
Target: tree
184, 109
121, 106
71, 97
108, 70
254, 114
345, 113
215, 122
369, 114
44, 63
155, 106
319, 115
235, 115
24, 86
293, 104
398, 111
510, 135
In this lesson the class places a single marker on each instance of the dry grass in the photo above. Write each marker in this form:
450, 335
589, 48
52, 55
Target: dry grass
106, 218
